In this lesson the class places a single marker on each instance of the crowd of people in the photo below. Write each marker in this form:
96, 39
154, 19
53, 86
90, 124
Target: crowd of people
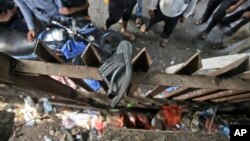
19, 14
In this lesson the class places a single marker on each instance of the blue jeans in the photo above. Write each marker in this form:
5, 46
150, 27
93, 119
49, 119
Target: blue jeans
139, 8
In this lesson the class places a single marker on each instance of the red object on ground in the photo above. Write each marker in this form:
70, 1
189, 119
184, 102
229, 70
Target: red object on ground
171, 114
207, 124
142, 122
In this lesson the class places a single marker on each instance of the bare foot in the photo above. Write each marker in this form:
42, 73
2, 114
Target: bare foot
143, 28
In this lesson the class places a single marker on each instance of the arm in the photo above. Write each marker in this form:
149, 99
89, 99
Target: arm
235, 6
190, 9
7, 16
27, 13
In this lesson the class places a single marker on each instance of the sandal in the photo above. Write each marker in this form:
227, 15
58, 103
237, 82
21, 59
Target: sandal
117, 72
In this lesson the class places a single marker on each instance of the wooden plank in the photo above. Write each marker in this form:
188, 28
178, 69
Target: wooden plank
45, 54
141, 63
155, 78
232, 69
235, 97
190, 66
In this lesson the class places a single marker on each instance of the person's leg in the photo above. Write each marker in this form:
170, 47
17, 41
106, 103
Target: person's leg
237, 27
115, 13
241, 34
211, 6
139, 8
127, 14
170, 24
232, 18
242, 47
219, 14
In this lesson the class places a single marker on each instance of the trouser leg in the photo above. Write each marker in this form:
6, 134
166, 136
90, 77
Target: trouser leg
211, 6
170, 24
219, 14
116, 12
241, 34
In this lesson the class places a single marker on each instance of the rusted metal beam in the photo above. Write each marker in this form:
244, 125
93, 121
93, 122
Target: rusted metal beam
232, 69
45, 54
194, 81
190, 66
91, 58
241, 100
72, 71
235, 97
219, 95
153, 78
141, 63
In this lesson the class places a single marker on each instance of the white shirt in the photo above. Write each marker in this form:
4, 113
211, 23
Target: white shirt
174, 8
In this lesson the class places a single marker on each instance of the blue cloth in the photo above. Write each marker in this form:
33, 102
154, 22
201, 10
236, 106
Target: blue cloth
50, 6
139, 8
73, 48
93, 84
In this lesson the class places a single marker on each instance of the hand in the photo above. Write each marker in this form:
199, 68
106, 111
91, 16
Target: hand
231, 9
151, 13
31, 35
66, 11
246, 15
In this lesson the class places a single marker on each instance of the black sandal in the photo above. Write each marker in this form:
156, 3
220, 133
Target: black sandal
117, 72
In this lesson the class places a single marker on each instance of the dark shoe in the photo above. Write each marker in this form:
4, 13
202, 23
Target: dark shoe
202, 35
218, 46
117, 72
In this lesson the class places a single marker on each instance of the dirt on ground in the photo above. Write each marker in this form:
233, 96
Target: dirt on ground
144, 135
